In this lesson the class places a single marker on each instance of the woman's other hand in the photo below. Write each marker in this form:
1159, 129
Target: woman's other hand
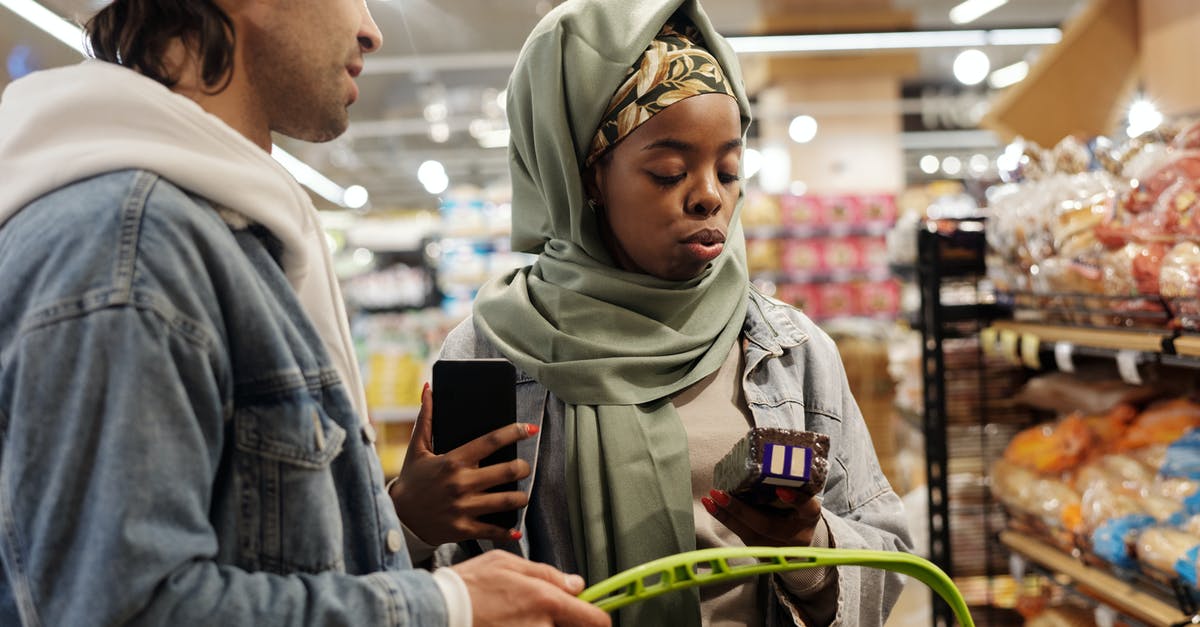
440, 497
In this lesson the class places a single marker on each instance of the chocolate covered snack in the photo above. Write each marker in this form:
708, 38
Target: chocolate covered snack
768, 458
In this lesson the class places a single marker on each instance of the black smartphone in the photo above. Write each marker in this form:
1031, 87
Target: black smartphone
473, 397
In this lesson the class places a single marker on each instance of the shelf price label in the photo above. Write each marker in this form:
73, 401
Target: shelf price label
987, 341
1064, 356
1127, 365
1030, 345
1009, 343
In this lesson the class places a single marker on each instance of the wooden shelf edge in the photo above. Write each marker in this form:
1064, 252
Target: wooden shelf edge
1145, 340
1187, 345
1103, 587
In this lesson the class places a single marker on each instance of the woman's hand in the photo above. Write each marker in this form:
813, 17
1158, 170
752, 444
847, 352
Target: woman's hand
767, 525
440, 497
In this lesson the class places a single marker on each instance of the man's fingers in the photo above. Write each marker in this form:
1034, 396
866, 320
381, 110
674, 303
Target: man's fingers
571, 584
472, 452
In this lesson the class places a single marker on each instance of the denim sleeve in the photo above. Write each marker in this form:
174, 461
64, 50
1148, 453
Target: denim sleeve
862, 512
112, 426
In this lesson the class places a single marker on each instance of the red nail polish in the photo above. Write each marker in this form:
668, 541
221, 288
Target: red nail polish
785, 495
708, 505
514, 535
532, 429
426, 388
721, 498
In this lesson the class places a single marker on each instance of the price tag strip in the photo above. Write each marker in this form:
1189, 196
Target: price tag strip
1127, 365
1064, 356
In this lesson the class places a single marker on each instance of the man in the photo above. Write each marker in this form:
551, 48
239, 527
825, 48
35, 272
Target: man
181, 433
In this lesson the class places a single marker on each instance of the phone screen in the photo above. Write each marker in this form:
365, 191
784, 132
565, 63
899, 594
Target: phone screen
473, 397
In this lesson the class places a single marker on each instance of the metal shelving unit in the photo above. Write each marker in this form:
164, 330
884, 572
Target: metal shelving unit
953, 252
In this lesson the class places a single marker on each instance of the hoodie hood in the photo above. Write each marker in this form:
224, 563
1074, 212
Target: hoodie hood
64, 125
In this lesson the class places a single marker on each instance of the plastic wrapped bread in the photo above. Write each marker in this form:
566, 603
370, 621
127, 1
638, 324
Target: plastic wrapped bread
767, 458
1162, 547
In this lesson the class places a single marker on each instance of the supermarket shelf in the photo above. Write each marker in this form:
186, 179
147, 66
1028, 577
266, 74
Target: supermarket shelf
1108, 339
872, 229
1187, 346
1099, 585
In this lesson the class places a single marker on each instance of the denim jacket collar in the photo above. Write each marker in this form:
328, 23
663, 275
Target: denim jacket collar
769, 326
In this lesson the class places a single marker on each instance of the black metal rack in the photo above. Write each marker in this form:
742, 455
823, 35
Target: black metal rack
953, 251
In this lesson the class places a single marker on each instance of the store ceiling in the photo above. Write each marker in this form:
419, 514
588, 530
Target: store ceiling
457, 54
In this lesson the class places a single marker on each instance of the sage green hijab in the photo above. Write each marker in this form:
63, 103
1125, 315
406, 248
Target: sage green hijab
613, 345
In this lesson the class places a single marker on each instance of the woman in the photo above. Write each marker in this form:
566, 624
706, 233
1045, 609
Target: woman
643, 352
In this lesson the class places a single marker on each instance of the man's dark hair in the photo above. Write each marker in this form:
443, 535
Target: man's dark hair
136, 33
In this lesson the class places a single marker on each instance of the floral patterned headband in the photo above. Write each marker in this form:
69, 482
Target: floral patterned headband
672, 68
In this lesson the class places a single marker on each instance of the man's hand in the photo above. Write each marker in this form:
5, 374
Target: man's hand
440, 497
767, 525
507, 590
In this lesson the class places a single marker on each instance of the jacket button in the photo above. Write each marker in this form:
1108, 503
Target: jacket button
395, 541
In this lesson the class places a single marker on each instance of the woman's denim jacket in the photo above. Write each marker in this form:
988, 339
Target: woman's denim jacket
176, 447
793, 379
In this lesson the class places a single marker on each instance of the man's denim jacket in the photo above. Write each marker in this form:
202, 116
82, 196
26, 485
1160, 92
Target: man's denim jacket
176, 447
793, 379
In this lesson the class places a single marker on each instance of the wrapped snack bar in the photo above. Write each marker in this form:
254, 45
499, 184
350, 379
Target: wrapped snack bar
767, 458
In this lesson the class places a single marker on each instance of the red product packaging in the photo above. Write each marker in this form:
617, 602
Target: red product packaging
844, 253
803, 255
802, 296
836, 300
804, 211
874, 252
879, 209
879, 298
846, 210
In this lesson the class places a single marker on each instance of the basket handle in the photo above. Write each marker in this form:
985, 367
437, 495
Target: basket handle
709, 566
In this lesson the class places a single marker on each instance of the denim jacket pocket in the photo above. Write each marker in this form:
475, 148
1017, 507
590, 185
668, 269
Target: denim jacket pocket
289, 517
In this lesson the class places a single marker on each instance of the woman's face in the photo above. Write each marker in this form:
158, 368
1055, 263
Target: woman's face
668, 189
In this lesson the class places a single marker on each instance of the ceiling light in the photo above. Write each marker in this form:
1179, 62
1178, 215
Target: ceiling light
802, 129
1009, 75
952, 165
439, 132
1143, 117
432, 175
895, 40
978, 163
72, 35
971, 10
971, 66
48, 21
930, 164
355, 197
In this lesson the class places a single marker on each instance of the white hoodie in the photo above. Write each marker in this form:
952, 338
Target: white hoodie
65, 125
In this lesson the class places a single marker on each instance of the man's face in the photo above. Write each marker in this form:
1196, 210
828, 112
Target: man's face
301, 61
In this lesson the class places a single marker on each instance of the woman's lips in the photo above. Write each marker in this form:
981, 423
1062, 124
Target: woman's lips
705, 244
704, 252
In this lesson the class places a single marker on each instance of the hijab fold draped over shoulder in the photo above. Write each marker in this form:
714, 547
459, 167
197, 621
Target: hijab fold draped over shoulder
613, 345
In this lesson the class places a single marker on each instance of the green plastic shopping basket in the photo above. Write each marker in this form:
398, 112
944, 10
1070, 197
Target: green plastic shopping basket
709, 566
